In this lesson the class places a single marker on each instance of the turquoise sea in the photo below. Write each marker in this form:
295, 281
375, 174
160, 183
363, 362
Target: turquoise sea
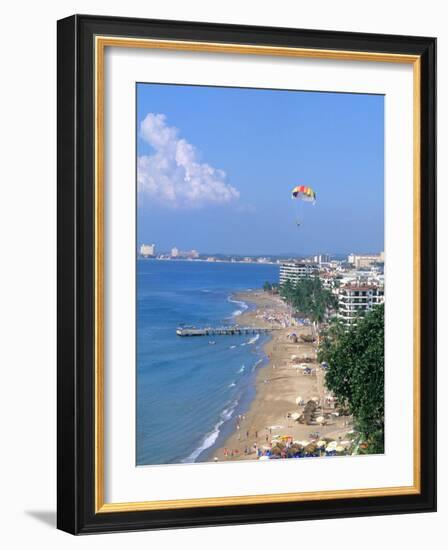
189, 390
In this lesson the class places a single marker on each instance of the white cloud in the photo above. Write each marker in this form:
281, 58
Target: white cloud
173, 174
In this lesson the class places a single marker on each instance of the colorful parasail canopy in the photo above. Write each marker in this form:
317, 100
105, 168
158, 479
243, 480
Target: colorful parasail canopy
303, 192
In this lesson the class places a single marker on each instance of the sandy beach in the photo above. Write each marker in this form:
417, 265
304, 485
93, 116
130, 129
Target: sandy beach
292, 372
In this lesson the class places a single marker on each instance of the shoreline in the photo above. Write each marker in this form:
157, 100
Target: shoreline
278, 384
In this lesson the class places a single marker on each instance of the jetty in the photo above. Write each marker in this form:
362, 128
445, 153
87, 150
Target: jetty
221, 331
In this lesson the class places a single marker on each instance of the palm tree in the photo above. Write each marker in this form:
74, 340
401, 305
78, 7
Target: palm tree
267, 287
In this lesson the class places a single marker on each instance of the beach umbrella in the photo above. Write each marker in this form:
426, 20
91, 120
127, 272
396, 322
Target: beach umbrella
293, 451
304, 443
298, 400
310, 407
264, 457
310, 448
320, 419
321, 443
295, 416
340, 449
331, 446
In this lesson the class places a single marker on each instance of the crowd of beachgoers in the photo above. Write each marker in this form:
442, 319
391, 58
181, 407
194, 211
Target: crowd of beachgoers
293, 415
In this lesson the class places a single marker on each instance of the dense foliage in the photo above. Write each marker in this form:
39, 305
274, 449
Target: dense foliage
355, 374
309, 297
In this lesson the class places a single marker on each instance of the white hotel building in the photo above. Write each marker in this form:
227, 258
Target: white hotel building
294, 271
148, 250
357, 300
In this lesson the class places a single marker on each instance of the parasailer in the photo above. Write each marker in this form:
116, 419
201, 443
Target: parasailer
300, 194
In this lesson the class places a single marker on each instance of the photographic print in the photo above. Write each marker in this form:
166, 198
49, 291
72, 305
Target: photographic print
259, 274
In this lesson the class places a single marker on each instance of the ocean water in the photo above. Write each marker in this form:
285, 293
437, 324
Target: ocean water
189, 390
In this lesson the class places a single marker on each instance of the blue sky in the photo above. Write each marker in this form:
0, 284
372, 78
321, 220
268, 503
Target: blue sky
216, 167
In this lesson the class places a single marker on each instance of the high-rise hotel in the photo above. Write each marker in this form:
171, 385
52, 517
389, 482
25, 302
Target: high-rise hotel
294, 271
148, 250
357, 300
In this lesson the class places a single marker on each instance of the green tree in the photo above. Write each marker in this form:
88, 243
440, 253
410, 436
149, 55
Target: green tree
309, 298
267, 287
287, 291
356, 374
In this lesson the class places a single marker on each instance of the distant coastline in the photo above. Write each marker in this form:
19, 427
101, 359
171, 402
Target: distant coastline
204, 260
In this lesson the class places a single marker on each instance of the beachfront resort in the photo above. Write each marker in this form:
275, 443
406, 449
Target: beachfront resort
257, 371
295, 413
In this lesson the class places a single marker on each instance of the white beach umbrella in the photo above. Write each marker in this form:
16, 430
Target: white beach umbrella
295, 416
320, 419
321, 443
298, 400
331, 446
304, 443
340, 449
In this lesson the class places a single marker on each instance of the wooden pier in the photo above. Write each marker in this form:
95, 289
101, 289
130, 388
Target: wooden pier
221, 331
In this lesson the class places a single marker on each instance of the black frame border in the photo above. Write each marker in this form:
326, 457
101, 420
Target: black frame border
76, 262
